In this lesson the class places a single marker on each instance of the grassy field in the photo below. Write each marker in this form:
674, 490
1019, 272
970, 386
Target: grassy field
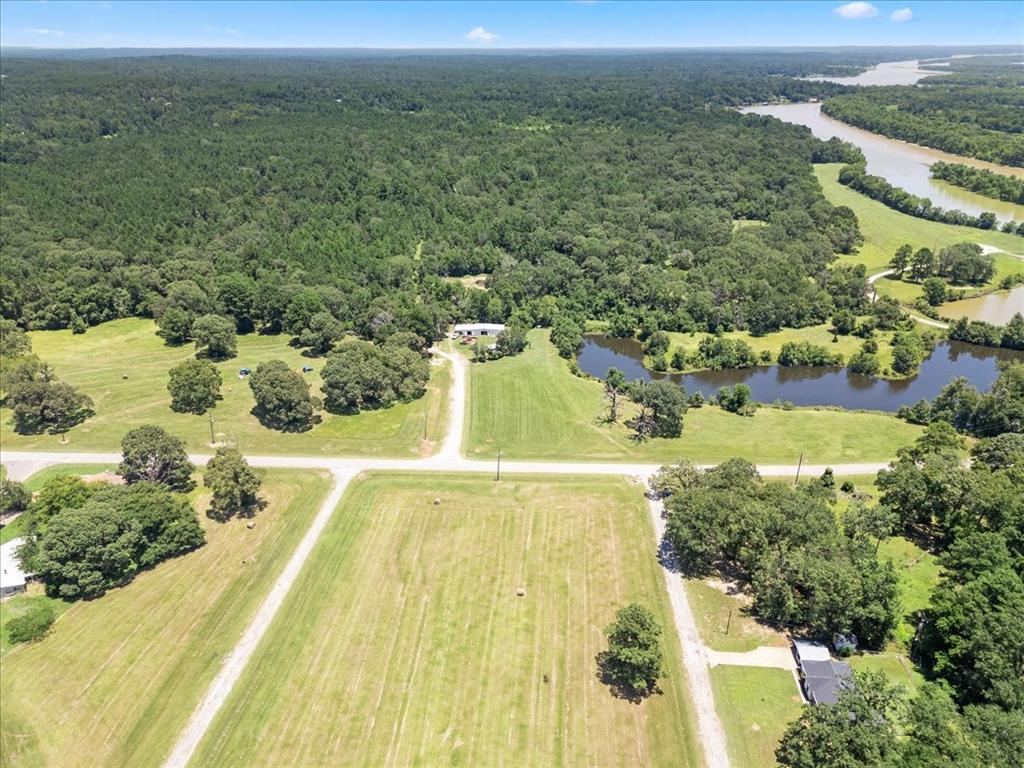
531, 406
755, 706
712, 607
407, 645
885, 230
97, 360
117, 678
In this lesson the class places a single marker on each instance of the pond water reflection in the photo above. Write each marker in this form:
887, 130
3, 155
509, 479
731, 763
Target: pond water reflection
810, 386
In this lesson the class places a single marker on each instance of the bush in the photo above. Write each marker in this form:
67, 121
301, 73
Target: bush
13, 496
736, 399
805, 353
863, 363
33, 624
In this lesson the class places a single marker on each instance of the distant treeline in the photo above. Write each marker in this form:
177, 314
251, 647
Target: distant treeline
984, 122
995, 185
274, 190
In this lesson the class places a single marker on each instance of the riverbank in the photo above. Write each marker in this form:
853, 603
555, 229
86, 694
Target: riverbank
900, 163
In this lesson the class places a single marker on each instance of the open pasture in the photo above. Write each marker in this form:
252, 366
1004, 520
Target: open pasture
123, 366
405, 643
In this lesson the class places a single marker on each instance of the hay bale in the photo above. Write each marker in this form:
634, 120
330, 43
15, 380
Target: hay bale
251, 524
521, 592
437, 502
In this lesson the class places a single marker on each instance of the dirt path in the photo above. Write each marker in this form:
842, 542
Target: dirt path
695, 660
925, 320
239, 657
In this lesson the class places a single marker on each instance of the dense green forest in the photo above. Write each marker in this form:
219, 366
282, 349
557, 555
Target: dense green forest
273, 189
954, 112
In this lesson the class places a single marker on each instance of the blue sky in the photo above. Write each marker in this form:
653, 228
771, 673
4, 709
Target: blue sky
557, 23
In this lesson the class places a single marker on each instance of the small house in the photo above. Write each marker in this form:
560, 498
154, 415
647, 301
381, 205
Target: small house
12, 578
476, 330
821, 676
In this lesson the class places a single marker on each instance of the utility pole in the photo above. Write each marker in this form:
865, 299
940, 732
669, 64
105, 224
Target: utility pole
497, 474
728, 622
798, 466
212, 438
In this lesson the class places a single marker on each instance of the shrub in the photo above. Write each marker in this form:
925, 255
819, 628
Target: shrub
33, 624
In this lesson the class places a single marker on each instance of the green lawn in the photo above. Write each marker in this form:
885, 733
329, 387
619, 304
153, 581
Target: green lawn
895, 666
97, 361
117, 677
885, 230
405, 642
531, 406
755, 705
918, 573
723, 621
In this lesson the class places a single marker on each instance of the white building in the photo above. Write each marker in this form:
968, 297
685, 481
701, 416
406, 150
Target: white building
476, 330
12, 578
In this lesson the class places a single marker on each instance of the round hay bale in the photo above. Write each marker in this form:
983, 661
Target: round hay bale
521, 592
251, 524
437, 502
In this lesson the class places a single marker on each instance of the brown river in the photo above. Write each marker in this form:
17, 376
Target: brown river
901, 164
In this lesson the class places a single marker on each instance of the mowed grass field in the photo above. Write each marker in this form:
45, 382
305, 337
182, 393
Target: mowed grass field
532, 406
885, 230
404, 642
755, 705
117, 678
97, 361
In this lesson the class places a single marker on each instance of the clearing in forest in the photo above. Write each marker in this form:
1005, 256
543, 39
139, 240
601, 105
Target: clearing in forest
404, 641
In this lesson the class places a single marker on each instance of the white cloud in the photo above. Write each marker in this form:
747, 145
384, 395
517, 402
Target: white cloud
481, 35
856, 11
46, 32
903, 14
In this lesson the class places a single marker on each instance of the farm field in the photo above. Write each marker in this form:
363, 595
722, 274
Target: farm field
885, 230
97, 360
532, 406
406, 644
755, 705
117, 677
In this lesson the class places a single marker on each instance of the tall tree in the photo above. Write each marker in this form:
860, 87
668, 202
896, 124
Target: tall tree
151, 454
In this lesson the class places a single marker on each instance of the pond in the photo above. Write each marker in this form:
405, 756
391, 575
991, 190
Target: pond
996, 308
810, 386
901, 164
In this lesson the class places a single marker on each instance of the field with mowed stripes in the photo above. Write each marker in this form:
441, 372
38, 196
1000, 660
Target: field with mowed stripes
404, 641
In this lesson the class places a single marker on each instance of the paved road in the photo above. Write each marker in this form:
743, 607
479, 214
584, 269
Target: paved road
21, 464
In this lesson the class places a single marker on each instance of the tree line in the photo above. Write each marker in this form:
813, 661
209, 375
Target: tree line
1009, 189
